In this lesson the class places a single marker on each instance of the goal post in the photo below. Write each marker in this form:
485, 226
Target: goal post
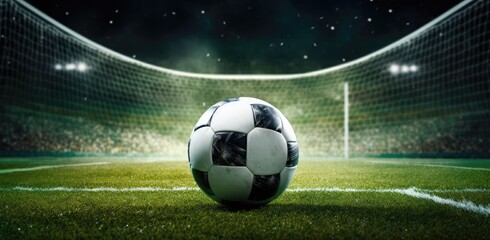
346, 120
427, 94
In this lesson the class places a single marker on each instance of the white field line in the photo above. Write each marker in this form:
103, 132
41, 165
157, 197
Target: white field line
175, 189
98, 189
12, 170
385, 190
417, 193
468, 168
413, 192
430, 165
467, 205
456, 190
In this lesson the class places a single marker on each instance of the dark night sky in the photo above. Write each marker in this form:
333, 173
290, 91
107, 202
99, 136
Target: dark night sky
231, 36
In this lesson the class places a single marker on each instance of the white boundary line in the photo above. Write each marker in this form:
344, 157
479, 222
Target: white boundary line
175, 189
98, 189
12, 170
457, 167
455, 190
417, 193
412, 192
467, 205
430, 165
385, 190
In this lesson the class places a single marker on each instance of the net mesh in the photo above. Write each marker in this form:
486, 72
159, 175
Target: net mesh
427, 94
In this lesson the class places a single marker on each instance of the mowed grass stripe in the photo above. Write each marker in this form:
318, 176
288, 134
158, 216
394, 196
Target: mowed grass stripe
413, 192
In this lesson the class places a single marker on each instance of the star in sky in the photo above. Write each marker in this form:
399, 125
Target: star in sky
244, 36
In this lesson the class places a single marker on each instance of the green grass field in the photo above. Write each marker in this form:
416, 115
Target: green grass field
147, 198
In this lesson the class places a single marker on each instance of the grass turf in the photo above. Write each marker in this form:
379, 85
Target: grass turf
190, 214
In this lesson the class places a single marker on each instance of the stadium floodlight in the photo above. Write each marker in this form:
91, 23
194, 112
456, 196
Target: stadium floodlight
413, 68
132, 106
394, 68
70, 66
405, 69
82, 67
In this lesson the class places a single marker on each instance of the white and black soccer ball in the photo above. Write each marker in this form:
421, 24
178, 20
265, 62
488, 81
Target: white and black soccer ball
243, 151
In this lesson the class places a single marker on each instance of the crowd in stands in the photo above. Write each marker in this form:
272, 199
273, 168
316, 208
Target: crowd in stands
61, 134
425, 137
76, 135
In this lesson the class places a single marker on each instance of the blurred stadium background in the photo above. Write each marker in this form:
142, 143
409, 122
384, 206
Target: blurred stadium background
107, 124
427, 94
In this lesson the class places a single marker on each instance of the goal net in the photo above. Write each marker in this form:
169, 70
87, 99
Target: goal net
425, 95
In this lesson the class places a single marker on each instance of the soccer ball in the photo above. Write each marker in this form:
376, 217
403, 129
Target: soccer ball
243, 151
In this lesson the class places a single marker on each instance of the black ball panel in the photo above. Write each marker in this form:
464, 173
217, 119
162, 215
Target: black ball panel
232, 204
230, 149
266, 117
202, 181
293, 154
264, 187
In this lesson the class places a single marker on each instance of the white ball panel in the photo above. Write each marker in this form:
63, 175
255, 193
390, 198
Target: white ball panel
250, 100
233, 116
267, 151
205, 117
230, 183
287, 129
286, 177
200, 149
